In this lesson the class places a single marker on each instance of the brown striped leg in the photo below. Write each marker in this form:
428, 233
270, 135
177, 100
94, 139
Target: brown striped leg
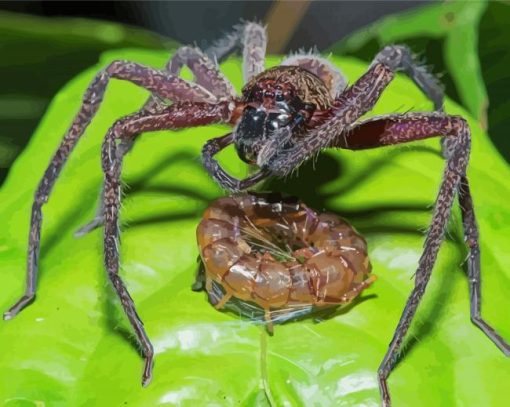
353, 103
472, 240
160, 83
471, 237
254, 44
206, 74
269, 321
223, 300
398, 129
251, 38
200, 277
226, 181
174, 117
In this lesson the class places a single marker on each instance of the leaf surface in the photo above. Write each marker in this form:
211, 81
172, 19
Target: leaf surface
73, 346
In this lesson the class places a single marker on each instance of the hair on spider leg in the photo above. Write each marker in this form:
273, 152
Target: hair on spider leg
302, 51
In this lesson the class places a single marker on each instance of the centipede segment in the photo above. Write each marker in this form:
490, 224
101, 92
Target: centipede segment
280, 254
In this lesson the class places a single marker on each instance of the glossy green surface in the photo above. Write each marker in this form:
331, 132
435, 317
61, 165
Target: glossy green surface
71, 347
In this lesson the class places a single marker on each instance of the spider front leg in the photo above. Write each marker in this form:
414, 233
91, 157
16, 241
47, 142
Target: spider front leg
207, 75
160, 83
350, 105
250, 37
376, 131
174, 117
473, 267
471, 237
397, 129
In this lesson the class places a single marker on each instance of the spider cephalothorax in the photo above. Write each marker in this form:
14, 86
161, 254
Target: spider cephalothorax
285, 116
280, 97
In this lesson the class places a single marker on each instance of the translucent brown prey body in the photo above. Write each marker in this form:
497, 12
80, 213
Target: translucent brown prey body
280, 254
284, 117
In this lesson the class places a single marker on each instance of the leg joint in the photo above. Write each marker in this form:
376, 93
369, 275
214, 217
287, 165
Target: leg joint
116, 66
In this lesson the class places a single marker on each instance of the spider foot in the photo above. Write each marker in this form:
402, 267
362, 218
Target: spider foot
147, 370
93, 224
385, 393
18, 306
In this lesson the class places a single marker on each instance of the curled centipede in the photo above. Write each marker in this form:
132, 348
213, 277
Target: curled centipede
280, 255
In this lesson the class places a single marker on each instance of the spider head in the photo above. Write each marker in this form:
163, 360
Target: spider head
269, 106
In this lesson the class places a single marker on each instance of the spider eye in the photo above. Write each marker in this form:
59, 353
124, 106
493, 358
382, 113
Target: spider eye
279, 97
277, 120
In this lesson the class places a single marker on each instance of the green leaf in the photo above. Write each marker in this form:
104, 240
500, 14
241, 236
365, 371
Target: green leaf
72, 346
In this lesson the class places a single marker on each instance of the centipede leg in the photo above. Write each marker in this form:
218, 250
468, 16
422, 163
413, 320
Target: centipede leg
200, 278
350, 295
221, 303
269, 321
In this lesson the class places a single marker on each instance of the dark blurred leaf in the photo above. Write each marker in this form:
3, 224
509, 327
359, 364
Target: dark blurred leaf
38, 56
494, 54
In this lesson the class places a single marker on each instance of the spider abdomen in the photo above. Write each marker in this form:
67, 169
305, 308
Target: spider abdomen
308, 87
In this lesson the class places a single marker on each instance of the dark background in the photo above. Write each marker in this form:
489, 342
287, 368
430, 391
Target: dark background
200, 21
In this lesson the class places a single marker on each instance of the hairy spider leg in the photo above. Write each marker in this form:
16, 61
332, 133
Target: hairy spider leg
179, 115
207, 75
396, 129
206, 72
250, 37
161, 83
353, 103
472, 239
349, 107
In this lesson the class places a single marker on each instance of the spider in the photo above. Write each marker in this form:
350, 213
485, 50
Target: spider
285, 116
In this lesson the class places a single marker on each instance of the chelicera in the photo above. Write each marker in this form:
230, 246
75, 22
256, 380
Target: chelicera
285, 116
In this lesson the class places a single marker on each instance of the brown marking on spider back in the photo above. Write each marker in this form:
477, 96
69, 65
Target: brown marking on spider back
307, 86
